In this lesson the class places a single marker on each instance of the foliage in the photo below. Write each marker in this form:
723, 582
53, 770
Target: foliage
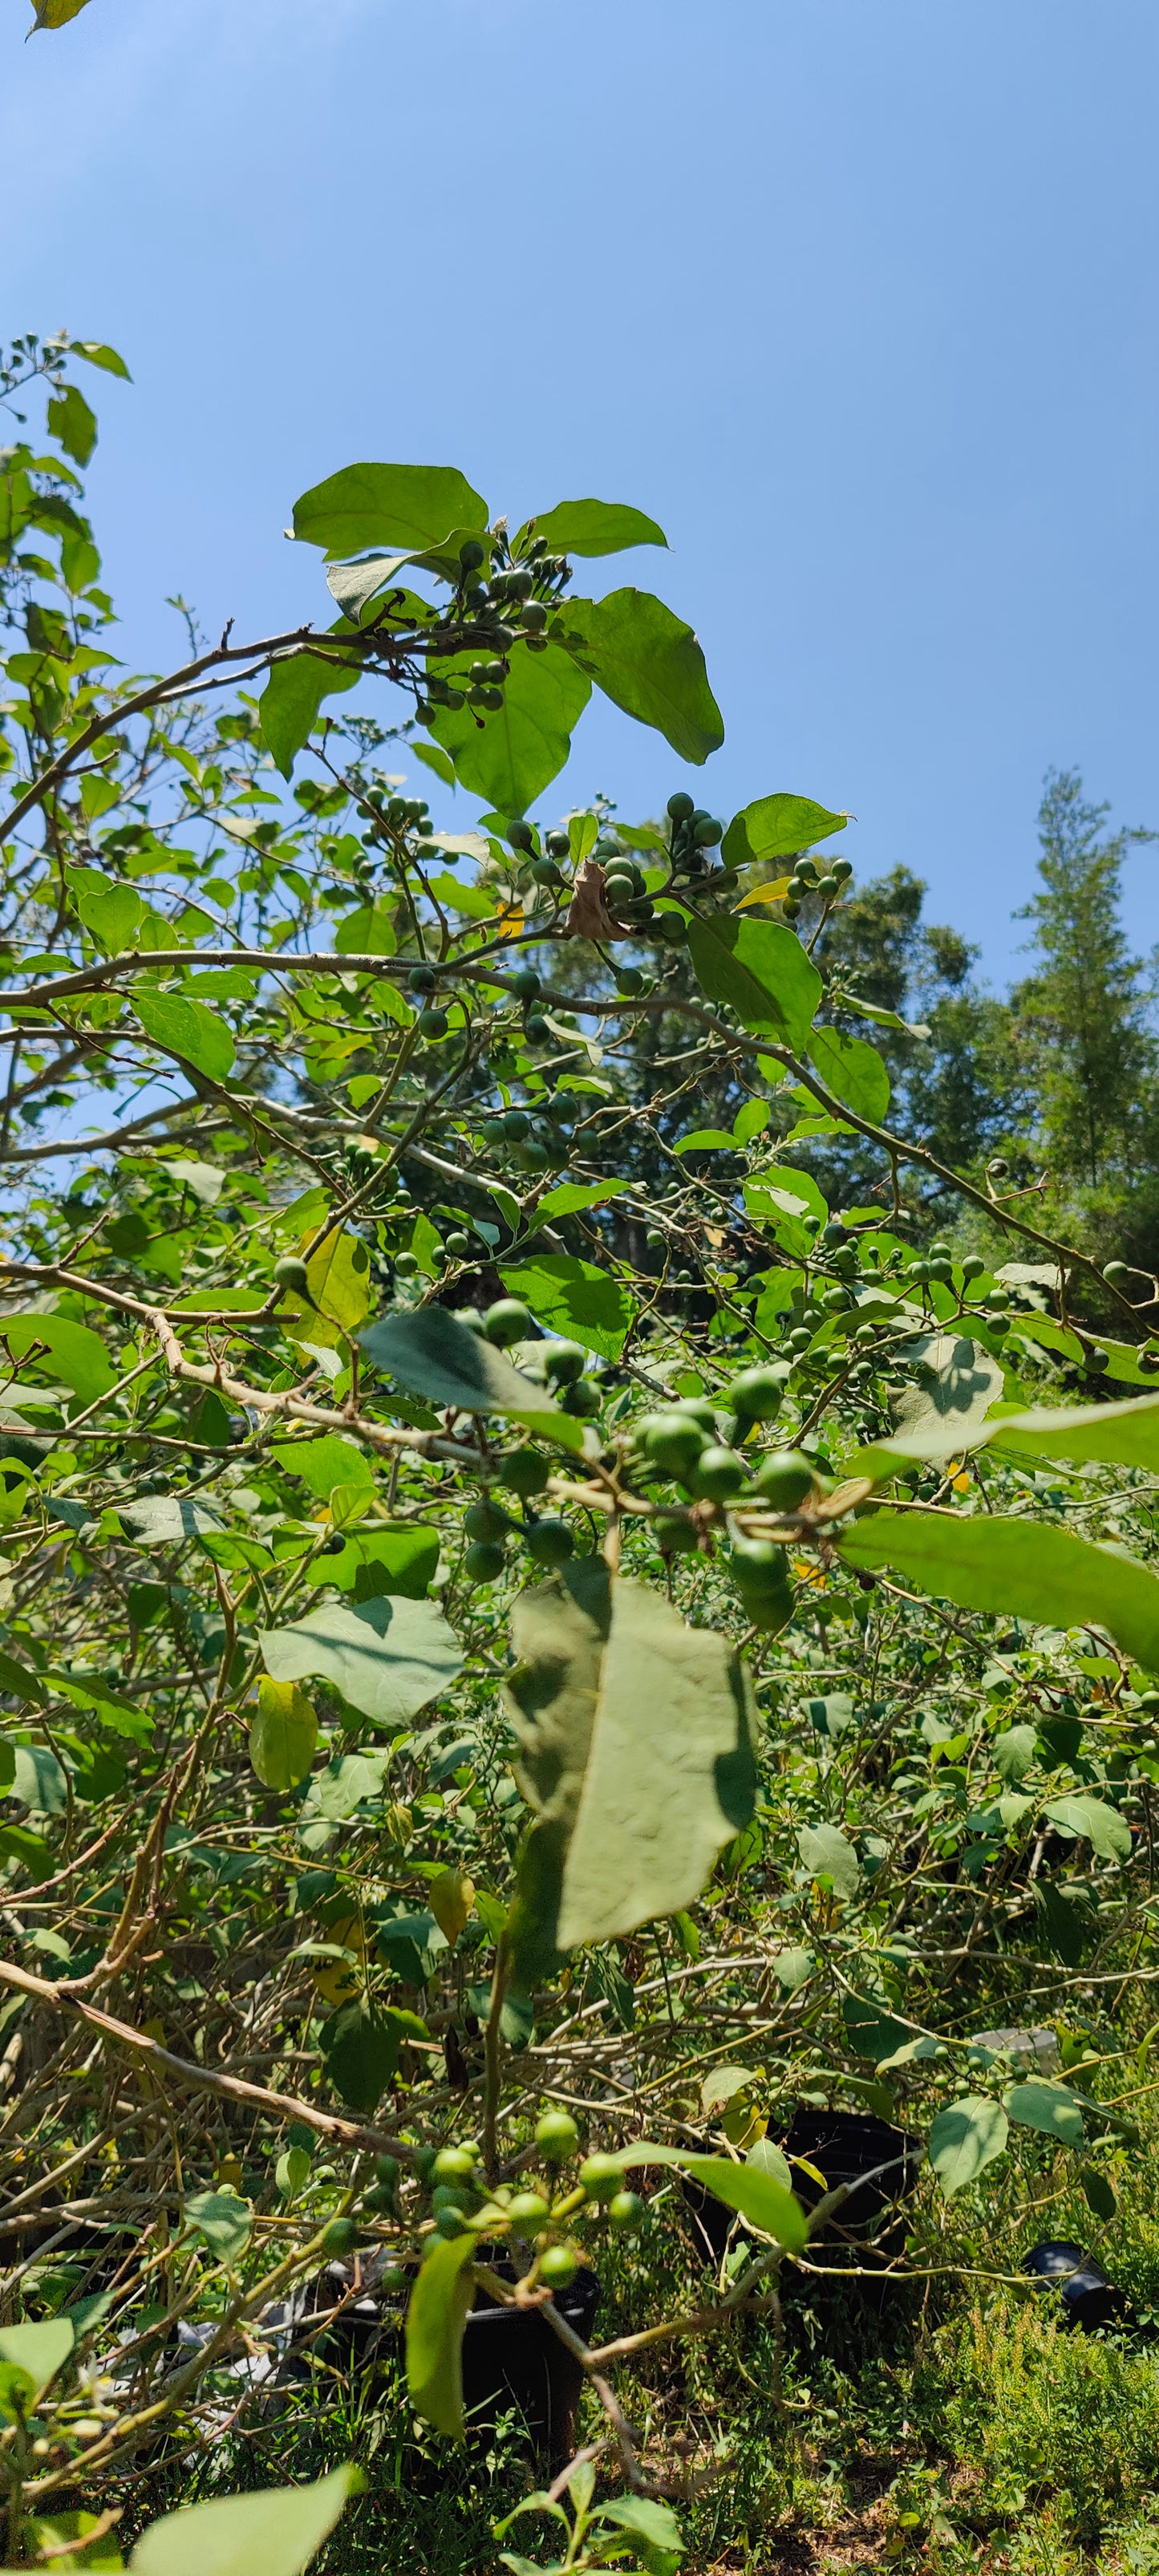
533, 1645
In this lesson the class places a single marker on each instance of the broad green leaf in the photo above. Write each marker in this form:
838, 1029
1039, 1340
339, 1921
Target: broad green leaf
559, 1629
273, 2533
355, 586
70, 418
188, 1030
20, 1683
73, 1352
647, 661
164, 1520
575, 1299
781, 1199
965, 2138
338, 1277
376, 1559
871, 2028
7, 1764
777, 827
97, 353
705, 1140
1014, 1751
826, 1854
1101, 1823
435, 2319
1052, 2108
41, 2350
760, 970
223, 2220
792, 1968
337, 1792
369, 932
521, 746
593, 528
947, 1405
751, 1121
567, 1196
283, 1735
754, 2194
292, 696
411, 506
112, 912
853, 1070
56, 13
1126, 1434
1019, 1568
40, 1781
653, 2523
432, 1355
360, 2048
323, 1464
388, 1657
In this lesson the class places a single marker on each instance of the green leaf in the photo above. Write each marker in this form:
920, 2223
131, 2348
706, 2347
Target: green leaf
74, 1352
97, 353
378, 1560
7, 1765
323, 1464
164, 1520
751, 1121
20, 1683
704, 1140
760, 970
780, 1200
1101, 1824
336, 1793
1014, 1751
39, 1780
41, 2350
56, 13
435, 2319
387, 1657
188, 1030
276, 2531
853, 1070
49, 2536
648, 662
71, 421
593, 528
432, 1355
575, 1299
1052, 2108
567, 1196
223, 2221
1125, 1434
776, 827
369, 932
522, 745
754, 2195
338, 1278
826, 1854
360, 2046
354, 586
113, 913
637, 1757
948, 1406
965, 2138
292, 696
283, 1735
1015, 1567
411, 506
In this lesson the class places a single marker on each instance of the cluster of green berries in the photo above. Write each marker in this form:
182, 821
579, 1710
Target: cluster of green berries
537, 2212
693, 833
823, 883
395, 816
682, 1444
543, 863
626, 894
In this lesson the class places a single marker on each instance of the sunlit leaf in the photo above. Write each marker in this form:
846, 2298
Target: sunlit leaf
760, 970
965, 2138
387, 1656
1022, 1568
435, 2319
648, 662
276, 2531
283, 1734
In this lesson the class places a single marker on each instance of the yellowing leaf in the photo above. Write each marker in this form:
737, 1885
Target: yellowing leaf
451, 1897
338, 1275
283, 1735
771, 893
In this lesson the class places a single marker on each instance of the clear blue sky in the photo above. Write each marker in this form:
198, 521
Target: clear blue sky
857, 297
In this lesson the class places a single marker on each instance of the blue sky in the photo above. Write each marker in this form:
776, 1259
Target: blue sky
857, 297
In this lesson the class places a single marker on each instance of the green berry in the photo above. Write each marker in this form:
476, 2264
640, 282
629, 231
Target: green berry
528, 2211
680, 807
525, 984
457, 1245
486, 1520
629, 981
455, 2164
405, 1265
291, 1275
757, 1394
601, 2177
719, 1473
671, 1441
525, 1472
550, 1542
387, 2170
1115, 1272
422, 979
483, 1562
536, 1030
557, 2267
433, 1024
339, 2237
627, 2212
471, 555
785, 1479
520, 836
581, 1400
423, 2164
564, 1362
507, 1321
556, 2135
674, 1533
450, 2222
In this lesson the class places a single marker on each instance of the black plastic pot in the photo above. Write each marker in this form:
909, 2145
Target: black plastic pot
512, 2359
1088, 2297
843, 2145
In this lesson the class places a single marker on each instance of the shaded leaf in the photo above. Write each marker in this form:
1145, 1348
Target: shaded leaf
777, 827
853, 1070
1014, 1751
323, 1464
432, 1355
957, 1385
283, 1735
76, 1354
360, 2048
435, 2319
292, 696
1017, 1567
387, 1657
69, 416
39, 1780
223, 2220
452, 1898
1051, 2108
647, 661
275, 2532
827, 1854
1102, 1824
164, 1520
965, 2138
760, 970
